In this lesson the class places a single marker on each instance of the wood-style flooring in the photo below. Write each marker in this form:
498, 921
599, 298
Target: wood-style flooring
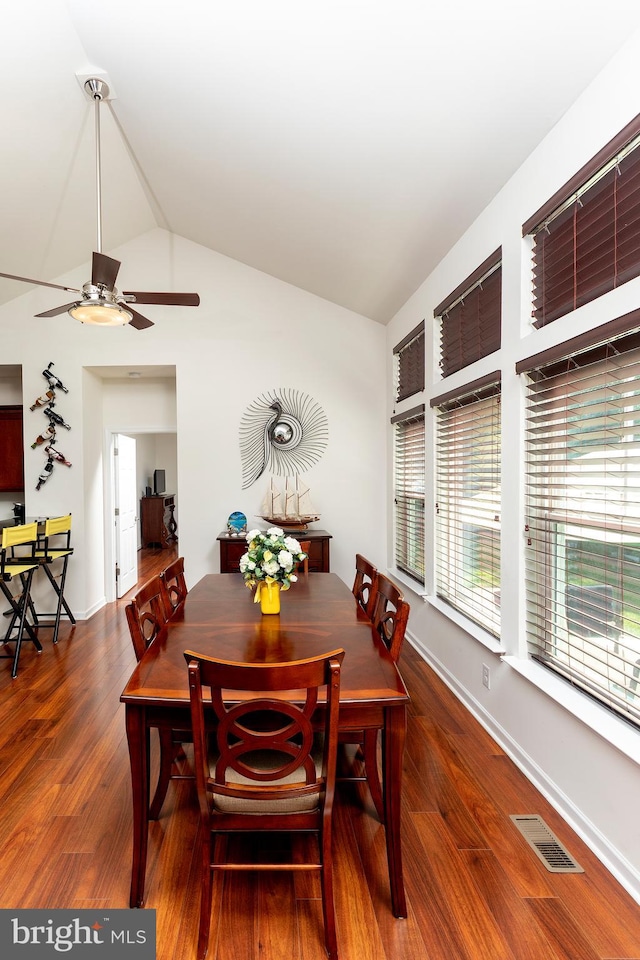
475, 890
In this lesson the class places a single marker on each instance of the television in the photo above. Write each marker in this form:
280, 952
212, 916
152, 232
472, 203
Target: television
159, 482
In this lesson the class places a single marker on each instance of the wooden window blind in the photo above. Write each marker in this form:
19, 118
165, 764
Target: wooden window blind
471, 316
468, 502
583, 520
409, 477
409, 355
588, 242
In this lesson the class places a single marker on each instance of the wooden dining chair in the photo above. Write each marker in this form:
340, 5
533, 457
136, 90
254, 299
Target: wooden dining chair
146, 617
265, 770
174, 587
365, 584
389, 617
305, 546
18, 564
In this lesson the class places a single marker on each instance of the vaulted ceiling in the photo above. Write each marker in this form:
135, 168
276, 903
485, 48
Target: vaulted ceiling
341, 146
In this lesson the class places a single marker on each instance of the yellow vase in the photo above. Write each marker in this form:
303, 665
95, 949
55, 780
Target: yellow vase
269, 597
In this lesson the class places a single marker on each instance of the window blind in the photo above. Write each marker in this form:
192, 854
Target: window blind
409, 476
409, 355
590, 242
468, 504
470, 317
583, 520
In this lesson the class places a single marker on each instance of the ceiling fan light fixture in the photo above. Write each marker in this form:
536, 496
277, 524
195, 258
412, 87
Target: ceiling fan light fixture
101, 314
100, 304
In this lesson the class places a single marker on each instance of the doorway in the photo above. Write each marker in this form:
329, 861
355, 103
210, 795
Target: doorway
126, 552
140, 404
126, 512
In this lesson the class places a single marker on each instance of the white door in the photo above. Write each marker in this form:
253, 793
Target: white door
126, 504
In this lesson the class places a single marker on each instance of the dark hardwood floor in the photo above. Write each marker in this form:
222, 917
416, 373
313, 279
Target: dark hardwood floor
474, 888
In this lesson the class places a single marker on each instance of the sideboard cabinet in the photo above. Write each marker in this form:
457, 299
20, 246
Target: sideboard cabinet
232, 548
158, 525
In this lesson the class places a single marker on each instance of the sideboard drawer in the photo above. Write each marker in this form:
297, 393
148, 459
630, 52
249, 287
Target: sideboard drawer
232, 548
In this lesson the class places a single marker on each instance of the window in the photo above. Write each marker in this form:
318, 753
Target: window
409, 492
468, 501
470, 317
408, 448
583, 514
586, 239
409, 354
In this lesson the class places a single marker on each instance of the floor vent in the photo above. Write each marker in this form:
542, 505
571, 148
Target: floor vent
537, 834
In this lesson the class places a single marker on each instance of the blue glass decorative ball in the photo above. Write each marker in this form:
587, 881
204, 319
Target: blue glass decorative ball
237, 524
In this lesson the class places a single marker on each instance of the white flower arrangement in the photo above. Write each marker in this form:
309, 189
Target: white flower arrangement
271, 558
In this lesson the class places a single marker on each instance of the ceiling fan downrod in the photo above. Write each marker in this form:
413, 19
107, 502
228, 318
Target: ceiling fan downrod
98, 90
99, 302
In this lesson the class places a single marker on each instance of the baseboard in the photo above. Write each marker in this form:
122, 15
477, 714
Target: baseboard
87, 614
624, 872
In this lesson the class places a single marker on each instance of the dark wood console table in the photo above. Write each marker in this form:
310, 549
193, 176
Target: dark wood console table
232, 548
158, 525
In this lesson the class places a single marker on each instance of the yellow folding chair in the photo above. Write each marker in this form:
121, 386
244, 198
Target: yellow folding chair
55, 544
19, 567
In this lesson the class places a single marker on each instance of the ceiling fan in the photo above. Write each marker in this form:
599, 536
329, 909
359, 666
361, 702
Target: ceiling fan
100, 302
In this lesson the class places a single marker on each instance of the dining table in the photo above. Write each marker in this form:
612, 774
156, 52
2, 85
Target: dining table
219, 618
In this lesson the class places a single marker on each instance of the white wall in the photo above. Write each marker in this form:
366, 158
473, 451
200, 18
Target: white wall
166, 458
10, 387
145, 460
89, 517
252, 333
142, 408
582, 758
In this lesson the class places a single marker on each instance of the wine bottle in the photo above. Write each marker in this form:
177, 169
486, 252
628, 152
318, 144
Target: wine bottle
55, 417
45, 398
46, 473
56, 455
46, 437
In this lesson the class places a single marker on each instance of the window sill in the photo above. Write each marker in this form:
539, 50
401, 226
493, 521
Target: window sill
408, 582
614, 730
493, 644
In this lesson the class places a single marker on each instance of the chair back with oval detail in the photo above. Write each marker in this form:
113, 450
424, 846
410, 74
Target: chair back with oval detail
390, 615
305, 546
174, 587
147, 619
146, 615
365, 584
266, 769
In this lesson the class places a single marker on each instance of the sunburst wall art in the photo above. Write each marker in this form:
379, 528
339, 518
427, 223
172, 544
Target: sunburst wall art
283, 431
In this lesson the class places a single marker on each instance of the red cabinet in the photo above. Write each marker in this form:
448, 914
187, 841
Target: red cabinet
11, 449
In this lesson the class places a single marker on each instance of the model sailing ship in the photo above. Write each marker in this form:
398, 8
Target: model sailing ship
295, 511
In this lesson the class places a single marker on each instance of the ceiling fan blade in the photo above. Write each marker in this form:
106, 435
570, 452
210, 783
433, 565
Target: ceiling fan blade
168, 299
138, 321
56, 310
104, 270
41, 283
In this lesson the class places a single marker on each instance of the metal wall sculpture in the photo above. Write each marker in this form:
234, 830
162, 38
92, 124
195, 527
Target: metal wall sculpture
283, 431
